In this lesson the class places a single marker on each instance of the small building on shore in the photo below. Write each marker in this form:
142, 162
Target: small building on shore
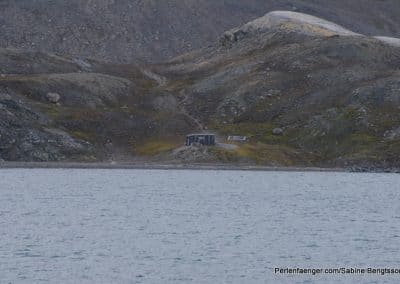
204, 139
237, 138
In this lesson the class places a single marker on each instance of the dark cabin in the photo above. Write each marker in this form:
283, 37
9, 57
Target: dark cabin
205, 139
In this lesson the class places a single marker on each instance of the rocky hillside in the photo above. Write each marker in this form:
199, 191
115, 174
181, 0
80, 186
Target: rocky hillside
308, 92
129, 30
55, 108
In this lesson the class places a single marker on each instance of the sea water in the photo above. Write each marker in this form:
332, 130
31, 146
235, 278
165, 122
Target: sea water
154, 226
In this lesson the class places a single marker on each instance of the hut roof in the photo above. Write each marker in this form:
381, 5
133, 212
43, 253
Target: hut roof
201, 134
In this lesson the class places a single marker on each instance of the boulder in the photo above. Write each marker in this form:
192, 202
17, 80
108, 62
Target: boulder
278, 131
53, 97
392, 134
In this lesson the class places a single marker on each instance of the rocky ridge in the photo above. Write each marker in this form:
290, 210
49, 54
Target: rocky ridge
127, 31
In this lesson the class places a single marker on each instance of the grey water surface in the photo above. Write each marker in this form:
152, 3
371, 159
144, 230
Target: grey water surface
153, 226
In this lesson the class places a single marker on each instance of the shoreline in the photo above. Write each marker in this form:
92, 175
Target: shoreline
166, 166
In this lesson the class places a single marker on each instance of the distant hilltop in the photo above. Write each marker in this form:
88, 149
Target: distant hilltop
298, 23
126, 31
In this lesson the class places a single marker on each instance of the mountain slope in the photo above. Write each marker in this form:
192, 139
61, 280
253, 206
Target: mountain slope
54, 108
334, 94
307, 92
125, 30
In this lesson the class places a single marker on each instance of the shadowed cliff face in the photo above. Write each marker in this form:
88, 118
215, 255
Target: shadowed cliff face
305, 91
152, 30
